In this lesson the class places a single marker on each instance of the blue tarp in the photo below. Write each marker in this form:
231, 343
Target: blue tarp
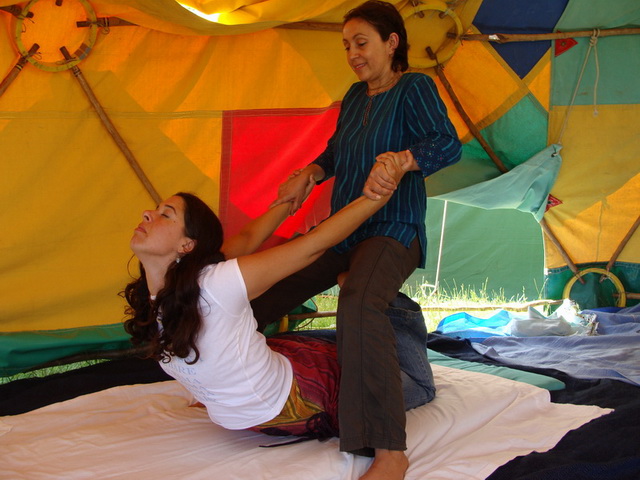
614, 352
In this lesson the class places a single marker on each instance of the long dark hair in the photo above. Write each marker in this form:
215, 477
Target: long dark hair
384, 17
176, 305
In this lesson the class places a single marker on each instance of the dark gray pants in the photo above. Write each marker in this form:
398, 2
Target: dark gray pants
371, 406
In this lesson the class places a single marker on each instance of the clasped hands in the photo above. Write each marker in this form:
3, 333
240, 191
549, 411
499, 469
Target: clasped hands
387, 172
383, 180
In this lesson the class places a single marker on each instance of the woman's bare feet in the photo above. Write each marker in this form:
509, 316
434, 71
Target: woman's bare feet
387, 465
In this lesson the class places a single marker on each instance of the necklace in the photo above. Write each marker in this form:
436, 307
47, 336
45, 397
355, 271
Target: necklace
385, 88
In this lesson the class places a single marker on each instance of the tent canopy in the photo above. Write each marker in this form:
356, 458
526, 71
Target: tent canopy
225, 97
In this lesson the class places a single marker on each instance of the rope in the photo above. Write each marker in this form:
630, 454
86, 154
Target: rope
593, 42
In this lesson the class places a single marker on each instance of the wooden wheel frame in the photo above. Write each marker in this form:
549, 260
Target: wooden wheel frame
622, 295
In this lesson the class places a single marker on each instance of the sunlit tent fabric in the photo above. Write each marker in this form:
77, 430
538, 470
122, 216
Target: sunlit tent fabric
592, 115
600, 184
226, 106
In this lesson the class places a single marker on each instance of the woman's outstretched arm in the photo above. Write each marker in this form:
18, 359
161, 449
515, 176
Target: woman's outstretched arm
261, 270
254, 233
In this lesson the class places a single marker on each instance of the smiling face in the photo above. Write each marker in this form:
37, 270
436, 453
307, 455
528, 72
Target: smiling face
161, 234
368, 55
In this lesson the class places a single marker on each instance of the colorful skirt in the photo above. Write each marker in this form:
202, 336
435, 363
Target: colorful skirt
312, 407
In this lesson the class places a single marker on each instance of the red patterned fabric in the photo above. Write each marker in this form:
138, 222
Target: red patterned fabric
316, 370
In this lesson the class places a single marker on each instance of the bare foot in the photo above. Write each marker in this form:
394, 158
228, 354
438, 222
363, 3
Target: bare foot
387, 465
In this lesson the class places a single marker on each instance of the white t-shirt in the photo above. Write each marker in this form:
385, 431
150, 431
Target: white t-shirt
240, 380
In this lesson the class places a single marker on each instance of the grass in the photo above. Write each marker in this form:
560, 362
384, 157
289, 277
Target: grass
435, 305
45, 372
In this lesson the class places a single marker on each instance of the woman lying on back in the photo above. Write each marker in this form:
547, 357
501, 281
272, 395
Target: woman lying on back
191, 305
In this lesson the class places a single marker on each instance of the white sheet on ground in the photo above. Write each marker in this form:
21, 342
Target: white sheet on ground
476, 423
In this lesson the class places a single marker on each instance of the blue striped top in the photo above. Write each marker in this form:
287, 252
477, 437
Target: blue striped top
409, 116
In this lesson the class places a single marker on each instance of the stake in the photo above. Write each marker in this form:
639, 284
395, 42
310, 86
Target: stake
112, 129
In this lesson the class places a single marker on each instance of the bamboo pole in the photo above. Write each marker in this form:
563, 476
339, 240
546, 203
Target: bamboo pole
467, 120
634, 296
623, 243
337, 27
515, 307
318, 26
112, 129
487, 148
15, 10
551, 236
537, 37
106, 22
17, 68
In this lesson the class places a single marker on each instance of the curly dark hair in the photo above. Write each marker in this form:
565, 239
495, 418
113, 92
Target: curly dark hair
386, 19
176, 305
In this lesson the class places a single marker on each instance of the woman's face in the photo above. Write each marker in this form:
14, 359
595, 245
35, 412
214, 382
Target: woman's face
367, 54
161, 234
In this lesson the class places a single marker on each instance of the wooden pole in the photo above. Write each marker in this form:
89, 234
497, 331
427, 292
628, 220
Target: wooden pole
623, 243
634, 296
112, 129
537, 37
15, 10
549, 233
319, 26
17, 68
106, 22
467, 120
